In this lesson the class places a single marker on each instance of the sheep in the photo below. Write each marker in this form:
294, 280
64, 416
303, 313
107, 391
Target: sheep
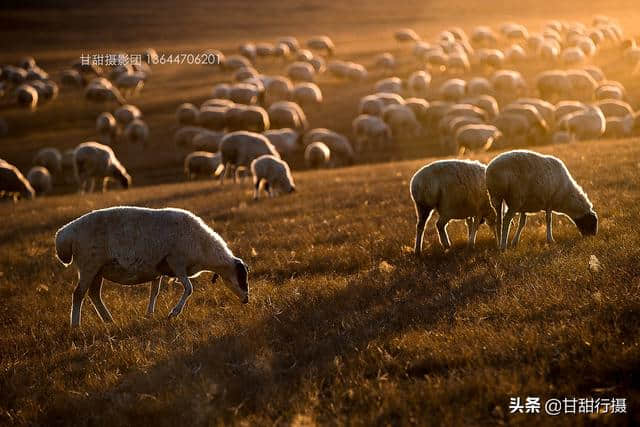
72, 79
240, 148
93, 160
47, 89
406, 35
389, 85
572, 56
27, 97
614, 108
583, 86
106, 127
248, 50
453, 89
401, 119
301, 72
13, 183
419, 107
418, 83
589, 124
385, 61
207, 140
185, 135
341, 149
491, 58
546, 109
291, 42
245, 73
483, 36
217, 102
322, 43
318, 64
264, 49
531, 182
508, 84
282, 50
317, 154
370, 130
49, 158
514, 127
234, 62
272, 173
131, 246
278, 89
477, 86
371, 105
187, 114
40, 179
616, 128
150, 56
131, 82
201, 163
247, 117
515, 54
212, 117
286, 114
458, 62
305, 94
101, 90
477, 137
244, 93
137, 131
285, 140
609, 91
126, 114
553, 84
564, 108
561, 137
221, 91
456, 189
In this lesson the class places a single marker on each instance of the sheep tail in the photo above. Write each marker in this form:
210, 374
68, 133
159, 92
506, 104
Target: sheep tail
64, 245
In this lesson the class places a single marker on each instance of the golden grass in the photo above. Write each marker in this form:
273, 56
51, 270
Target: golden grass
330, 335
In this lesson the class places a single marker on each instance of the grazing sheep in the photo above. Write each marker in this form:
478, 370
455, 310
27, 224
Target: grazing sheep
130, 246
306, 94
40, 180
247, 117
341, 149
187, 114
456, 189
553, 85
286, 114
207, 140
278, 89
49, 158
477, 137
477, 86
244, 93
406, 35
212, 117
317, 155
101, 90
322, 43
371, 105
239, 149
389, 85
564, 108
608, 90
126, 114
130, 82
508, 84
301, 72
248, 50
491, 58
370, 131
27, 97
137, 132
221, 91
419, 83
402, 120
589, 124
96, 161
285, 140
583, 86
292, 43
107, 128
531, 182
13, 183
614, 108
572, 56
201, 163
184, 136
273, 175
453, 90
616, 128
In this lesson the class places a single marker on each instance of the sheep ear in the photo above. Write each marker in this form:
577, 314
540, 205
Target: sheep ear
214, 278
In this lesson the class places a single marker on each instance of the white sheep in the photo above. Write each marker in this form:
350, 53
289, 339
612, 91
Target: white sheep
453, 89
614, 108
49, 158
272, 174
238, 149
106, 127
279, 88
419, 83
401, 119
285, 140
13, 183
306, 94
341, 149
389, 85
301, 72
40, 179
317, 154
477, 137
553, 84
322, 43
406, 35
370, 131
529, 182
589, 124
97, 161
131, 246
456, 189
137, 131
101, 90
286, 114
201, 163
184, 136
247, 117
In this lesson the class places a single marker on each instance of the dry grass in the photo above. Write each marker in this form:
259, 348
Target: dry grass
330, 336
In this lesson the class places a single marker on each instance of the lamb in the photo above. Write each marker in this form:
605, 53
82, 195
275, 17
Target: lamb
531, 182
187, 114
93, 160
137, 131
317, 154
40, 179
457, 190
106, 127
239, 149
49, 158
306, 94
274, 174
477, 137
201, 163
131, 245
13, 183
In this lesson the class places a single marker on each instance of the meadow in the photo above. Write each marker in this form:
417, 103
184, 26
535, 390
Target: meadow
345, 326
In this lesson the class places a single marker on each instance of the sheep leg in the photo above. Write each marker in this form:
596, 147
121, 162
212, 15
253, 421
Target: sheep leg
105, 181
153, 296
549, 227
256, 189
521, 223
472, 224
78, 296
497, 205
441, 225
188, 290
92, 184
506, 224
423, 213
96, 299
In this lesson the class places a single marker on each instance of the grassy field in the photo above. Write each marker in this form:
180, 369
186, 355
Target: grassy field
344, 324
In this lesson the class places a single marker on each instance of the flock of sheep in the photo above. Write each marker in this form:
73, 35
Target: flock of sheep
255, 123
